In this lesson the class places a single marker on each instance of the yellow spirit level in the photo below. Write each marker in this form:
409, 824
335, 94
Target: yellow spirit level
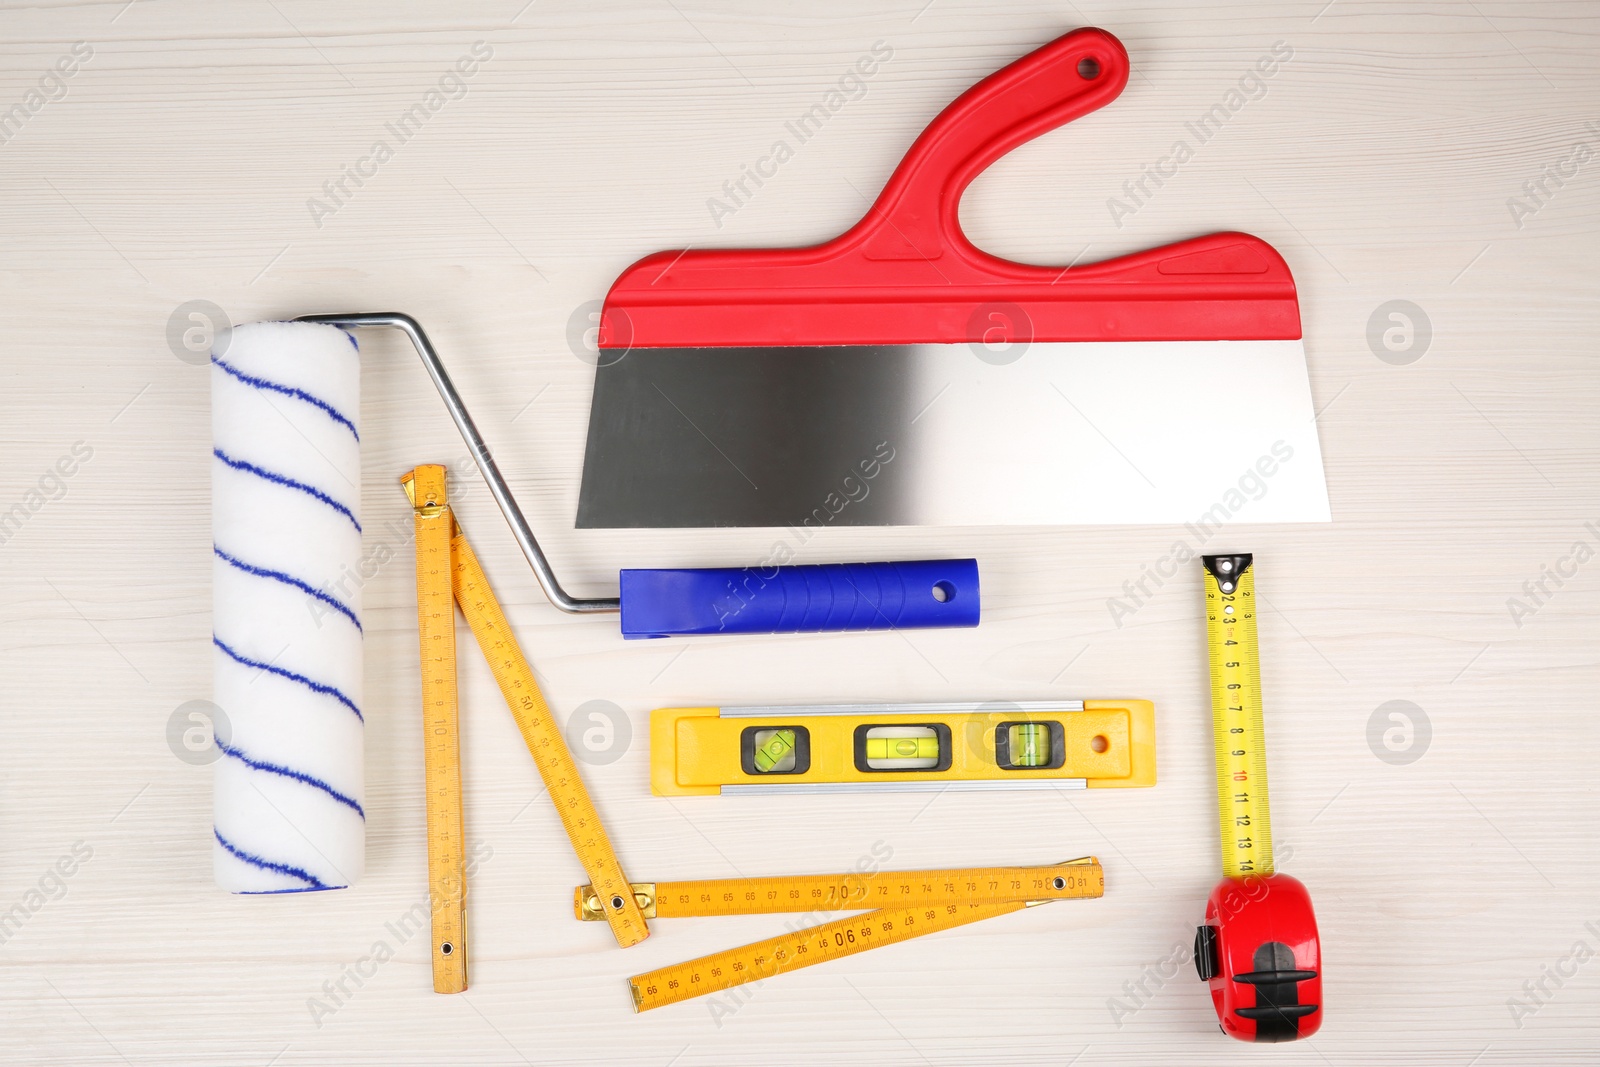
1094, 744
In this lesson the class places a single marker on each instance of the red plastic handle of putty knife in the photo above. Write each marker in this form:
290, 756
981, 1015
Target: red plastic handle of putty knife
916, 216
905, 273
813, 598
1260, 953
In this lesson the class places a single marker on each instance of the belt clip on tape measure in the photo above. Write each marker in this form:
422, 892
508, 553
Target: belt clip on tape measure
1258, 949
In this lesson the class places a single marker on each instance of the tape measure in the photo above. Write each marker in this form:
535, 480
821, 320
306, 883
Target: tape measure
1259, 949
1089, 744
906, 905
436, 628
1233, 648
464, 576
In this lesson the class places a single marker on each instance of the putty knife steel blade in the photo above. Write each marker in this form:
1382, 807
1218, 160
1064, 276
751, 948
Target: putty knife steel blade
1202, 432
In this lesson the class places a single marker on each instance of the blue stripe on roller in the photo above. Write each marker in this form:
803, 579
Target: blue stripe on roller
315, 687
311, 880
290, 580
288, 390
280, 892
291, 773
284, 480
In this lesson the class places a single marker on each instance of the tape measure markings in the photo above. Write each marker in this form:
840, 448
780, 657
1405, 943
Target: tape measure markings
1233, 650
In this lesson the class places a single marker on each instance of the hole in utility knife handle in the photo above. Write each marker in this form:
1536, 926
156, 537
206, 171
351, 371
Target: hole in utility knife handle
1098, 743
944, 592
1088, 68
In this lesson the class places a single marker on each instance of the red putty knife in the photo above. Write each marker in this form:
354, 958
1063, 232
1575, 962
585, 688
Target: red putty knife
899, 375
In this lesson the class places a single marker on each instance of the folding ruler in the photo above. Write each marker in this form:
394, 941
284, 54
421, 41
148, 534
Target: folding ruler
446, 565
906, 905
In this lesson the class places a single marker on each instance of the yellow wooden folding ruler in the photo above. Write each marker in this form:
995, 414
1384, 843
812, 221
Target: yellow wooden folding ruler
446, 564
436, 629
906, 905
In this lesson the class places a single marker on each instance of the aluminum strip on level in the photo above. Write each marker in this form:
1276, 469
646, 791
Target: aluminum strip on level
1037, 784
988, 707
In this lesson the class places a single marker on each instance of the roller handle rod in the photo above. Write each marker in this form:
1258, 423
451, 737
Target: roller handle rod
480, 455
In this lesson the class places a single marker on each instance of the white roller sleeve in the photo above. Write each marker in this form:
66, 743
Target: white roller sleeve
286, 608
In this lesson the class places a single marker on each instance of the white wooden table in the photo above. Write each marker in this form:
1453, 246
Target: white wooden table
1453, 867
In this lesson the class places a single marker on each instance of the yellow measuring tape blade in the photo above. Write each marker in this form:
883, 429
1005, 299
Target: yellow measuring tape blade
543, 737
1244, 822
436, 625
856, 891
931, 901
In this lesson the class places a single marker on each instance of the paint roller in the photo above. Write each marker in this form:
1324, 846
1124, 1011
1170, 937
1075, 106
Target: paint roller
285, 522
287, 634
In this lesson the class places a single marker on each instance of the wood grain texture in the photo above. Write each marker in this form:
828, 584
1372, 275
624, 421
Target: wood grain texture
1379, 160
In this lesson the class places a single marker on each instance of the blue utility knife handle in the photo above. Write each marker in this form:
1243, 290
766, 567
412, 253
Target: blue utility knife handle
828, 597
